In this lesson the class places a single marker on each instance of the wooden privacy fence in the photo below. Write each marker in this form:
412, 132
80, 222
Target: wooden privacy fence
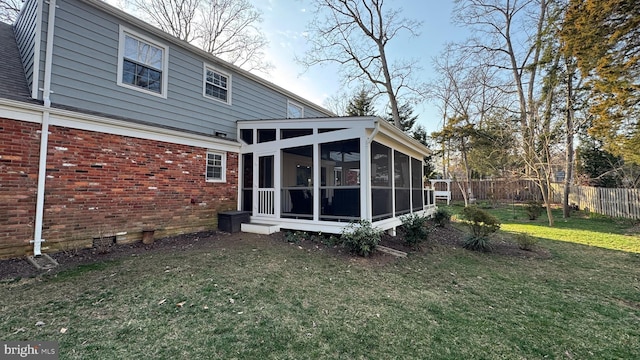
606, 201
623, 203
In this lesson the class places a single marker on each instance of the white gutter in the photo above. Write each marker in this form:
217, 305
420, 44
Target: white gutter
44, 136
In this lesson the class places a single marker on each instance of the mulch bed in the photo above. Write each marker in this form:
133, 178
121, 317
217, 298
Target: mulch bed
447, 236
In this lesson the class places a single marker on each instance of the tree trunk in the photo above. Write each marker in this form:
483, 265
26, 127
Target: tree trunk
471, 199
393, 101
464, 193
546, 197
568, 176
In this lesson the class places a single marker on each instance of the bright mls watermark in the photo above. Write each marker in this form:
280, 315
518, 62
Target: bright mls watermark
33, 350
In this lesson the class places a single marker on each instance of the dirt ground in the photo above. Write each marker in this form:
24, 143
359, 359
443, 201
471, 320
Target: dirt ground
448, 236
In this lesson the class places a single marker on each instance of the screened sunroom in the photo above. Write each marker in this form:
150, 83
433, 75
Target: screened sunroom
319, 174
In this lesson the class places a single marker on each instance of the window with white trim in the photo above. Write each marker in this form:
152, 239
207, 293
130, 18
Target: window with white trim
216, 165
217, 85
142, 63
294, 110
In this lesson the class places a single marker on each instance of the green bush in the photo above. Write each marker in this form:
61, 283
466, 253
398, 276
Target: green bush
413, 227
485, 205
482, 224
525, 241
533, 209
442, 217
360, 237
294, 237
477, 243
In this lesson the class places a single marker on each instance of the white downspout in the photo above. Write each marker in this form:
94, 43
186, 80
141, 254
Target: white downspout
44, 136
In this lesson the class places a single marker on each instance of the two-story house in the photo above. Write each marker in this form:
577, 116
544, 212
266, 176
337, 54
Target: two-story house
109, 126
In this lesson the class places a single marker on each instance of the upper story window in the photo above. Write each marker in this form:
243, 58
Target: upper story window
142, 63
216, 167
294, 110
217, 84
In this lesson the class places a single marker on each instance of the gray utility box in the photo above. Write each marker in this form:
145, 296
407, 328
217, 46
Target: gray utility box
230, 221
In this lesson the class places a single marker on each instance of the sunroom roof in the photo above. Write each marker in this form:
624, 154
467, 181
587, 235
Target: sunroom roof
375, 126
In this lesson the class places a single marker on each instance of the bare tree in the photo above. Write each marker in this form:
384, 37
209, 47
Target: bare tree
228, 30
337, 103
355, 34
9, 10
225, 28
468, 93
175, 17
510, 32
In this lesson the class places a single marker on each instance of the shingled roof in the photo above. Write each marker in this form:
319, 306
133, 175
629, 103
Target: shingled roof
13, 84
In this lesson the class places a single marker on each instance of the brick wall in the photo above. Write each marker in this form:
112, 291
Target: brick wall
19, 148
101, 185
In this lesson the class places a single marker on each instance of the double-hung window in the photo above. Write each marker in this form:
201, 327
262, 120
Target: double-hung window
142, 63
217, 84
215, 167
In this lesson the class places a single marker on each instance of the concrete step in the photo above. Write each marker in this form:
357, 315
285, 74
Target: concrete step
257, 228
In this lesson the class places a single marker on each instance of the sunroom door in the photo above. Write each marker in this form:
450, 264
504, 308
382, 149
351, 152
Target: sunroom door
264, 194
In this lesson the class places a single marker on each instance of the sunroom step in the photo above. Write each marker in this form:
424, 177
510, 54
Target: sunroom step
257, 228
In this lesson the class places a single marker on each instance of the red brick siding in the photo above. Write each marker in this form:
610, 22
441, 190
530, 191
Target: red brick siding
101, 185
19, 149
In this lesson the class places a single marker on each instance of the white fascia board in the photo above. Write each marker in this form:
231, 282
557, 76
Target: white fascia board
305, 123
124, 128
397, 145
12, 110
59, 117
398, 135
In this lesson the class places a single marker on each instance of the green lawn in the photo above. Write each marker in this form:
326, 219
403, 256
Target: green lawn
266, 299
593, 230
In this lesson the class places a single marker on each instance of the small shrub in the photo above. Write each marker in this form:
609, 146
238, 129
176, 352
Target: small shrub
477, 243
294, 237
442, 217
331, 240
485, 205
414, 229
533, 209
525, 241
103, 244
360, 237
482, 224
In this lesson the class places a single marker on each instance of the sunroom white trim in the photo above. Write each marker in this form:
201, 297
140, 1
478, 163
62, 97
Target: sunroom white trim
307, 148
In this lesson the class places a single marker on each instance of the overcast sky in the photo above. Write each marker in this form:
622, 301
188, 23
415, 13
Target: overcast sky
285, 21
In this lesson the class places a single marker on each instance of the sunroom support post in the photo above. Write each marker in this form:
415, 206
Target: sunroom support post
316, 182
365, 179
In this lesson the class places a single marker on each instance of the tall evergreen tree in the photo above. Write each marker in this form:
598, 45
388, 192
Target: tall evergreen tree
407, 119
604, 37
420, 134
361, 105
596, 166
